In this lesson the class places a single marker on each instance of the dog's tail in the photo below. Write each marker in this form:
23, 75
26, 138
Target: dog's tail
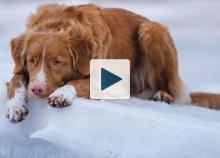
203, 99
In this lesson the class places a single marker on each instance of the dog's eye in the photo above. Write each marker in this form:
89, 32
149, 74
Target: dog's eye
32, 61
56, 62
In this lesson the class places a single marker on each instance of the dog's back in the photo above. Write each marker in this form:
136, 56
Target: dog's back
122, 34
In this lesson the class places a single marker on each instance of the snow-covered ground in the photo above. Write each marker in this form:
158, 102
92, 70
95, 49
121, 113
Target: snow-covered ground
123, 128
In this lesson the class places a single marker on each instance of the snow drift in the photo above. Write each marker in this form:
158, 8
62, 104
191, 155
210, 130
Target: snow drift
110, 129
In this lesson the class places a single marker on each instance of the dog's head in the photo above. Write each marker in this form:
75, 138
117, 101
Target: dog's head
52, 59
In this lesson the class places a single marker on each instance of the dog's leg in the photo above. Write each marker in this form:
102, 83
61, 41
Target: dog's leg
16, 99
65, 95
159, 58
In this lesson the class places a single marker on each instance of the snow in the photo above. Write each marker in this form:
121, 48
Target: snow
123, 128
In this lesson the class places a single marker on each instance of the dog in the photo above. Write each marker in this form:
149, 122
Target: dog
52, 57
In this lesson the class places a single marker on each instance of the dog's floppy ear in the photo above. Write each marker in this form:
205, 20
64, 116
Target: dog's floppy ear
18, 53
82, 46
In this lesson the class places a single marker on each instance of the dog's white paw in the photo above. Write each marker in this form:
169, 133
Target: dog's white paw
62, 97
16, 113
16, 109
162, 96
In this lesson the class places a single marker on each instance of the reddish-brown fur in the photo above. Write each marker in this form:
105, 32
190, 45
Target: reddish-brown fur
74, 35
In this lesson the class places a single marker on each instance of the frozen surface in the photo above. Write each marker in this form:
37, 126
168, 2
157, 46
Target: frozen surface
123, 128
128, 128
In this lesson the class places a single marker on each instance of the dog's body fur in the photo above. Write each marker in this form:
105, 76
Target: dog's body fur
81, 33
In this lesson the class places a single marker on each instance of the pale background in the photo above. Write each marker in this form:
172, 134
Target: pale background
194, 25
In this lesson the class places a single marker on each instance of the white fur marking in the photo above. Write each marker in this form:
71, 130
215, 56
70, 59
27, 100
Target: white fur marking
41, 74
16, 110
65, 94
184, 96
157, 95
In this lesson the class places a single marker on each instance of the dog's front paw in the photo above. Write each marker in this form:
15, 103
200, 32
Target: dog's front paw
62, 97
163, 96
16, 109
16, 114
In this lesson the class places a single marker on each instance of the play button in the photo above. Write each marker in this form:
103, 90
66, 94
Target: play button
108, 78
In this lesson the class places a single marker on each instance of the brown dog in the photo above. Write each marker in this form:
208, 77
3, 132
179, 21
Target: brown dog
52, 57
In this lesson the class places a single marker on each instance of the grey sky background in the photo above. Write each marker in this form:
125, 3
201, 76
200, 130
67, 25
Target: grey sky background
194, 25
